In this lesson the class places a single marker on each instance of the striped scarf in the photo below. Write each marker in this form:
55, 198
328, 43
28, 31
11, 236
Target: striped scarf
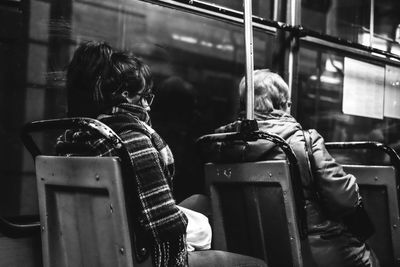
153, 164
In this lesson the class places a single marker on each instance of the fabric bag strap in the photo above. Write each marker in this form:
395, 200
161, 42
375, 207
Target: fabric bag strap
309, 156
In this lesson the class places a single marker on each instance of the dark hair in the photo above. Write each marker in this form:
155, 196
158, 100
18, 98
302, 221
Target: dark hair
98, 74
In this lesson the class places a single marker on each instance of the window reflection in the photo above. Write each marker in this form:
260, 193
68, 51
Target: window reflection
202, 57
320, 92
351, 20
386, 26
339, 18
386, 18
197, 63
261, 8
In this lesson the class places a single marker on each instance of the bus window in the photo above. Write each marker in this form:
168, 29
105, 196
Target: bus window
202, 55
354, 21
339, 18
320, 94
261, 8
386, 20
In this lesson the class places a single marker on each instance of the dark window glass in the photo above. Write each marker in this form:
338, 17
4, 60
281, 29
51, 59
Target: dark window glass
196, 61
386, 19
387, 25
261, 8
339, 18
319, 105
351, 20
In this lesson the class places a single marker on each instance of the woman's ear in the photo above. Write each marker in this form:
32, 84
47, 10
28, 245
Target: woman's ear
125, 94
128, 97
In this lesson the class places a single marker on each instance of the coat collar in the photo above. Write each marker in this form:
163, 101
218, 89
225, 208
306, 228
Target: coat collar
134, 110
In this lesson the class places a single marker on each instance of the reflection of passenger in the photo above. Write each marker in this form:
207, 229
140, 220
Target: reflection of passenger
369, 156
340, 129
332, 194
176, 100
174, 112
116, 88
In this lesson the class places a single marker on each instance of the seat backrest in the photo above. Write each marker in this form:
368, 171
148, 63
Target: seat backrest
379, 190
376, 167
254, 212
83, 214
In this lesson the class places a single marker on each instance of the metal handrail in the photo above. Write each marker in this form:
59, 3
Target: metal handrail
15, 229
66, 123
394, 157
295, 30
18, 230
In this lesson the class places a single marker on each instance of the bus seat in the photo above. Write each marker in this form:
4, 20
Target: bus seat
379, 188
253, 211
380, 196
87, 209
254, 206
83, 213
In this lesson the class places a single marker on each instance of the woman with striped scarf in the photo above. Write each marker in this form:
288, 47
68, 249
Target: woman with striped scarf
115, 88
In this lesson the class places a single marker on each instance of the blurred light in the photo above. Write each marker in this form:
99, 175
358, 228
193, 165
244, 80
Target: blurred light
395, 49
330, 80
324, 98
378, 41
397, 37
185, 39
380, 44
332, 65
377, 55
206, 44
364, 38
326, 79
225, 47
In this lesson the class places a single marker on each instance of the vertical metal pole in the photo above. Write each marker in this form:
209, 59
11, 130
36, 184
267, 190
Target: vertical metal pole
276, 10
248, 40
371, 23
292, 21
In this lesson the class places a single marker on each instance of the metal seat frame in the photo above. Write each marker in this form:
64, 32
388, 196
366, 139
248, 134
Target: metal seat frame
283, 172
383, 177
92, 175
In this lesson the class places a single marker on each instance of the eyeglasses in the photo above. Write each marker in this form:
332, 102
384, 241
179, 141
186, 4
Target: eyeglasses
149, 97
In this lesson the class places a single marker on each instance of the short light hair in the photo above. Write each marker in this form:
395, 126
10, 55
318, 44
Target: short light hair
270, 91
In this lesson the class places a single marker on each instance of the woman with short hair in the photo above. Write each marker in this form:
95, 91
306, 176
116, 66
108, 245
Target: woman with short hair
330, 193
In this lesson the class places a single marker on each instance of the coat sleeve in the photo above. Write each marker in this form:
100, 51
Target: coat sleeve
338, 190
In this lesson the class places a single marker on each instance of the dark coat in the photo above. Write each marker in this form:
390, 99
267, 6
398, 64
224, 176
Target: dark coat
330, 193
336, 190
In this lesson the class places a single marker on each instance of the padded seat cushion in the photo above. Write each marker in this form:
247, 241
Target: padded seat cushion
240, 151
